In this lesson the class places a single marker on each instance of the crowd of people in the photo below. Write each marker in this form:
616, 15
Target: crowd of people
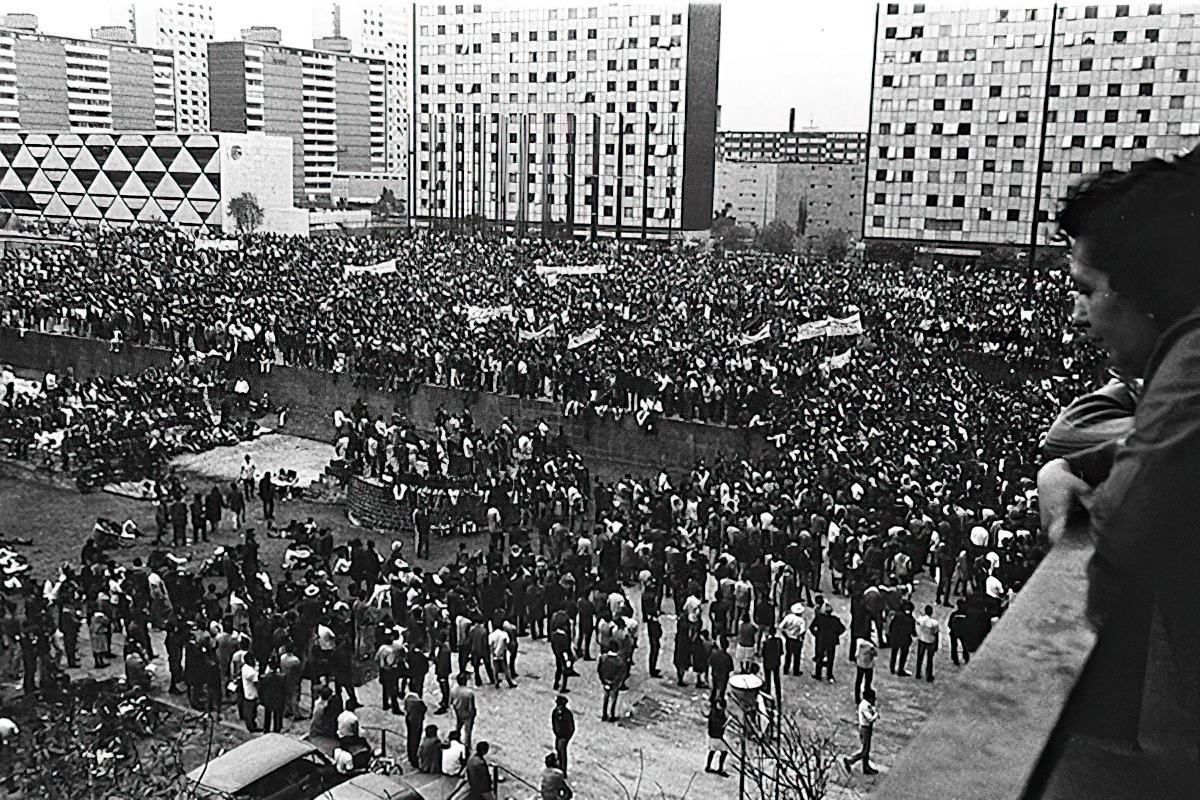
899, 457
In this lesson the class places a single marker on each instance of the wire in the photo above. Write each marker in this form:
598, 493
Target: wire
212, 730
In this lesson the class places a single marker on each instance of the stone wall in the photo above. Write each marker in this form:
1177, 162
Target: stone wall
610, 447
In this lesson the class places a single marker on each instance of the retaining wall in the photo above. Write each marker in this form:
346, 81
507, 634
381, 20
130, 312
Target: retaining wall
610, 447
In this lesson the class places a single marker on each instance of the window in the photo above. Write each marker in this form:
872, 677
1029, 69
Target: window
1139, 142
1014, 191
943, 224
1108, 141
1083, 90
1090, 12
677, 19
968, 55
631, 86
1085, 65
958, 201
985, 190
985, 213
1054, 90
940, 80
1181, 75
1122, 11
906, 176
1075, 167
1152, 35
943, 55
1081, 115
1177, 101
1017, 165
909, 152
1143, 115
918, 32
939, 104
935, 152
910, 128
993, 91
1147, 62
968, 79
1114, 90
885, 128
931, 200
990, 141
936, 129
876, 221
914, 57
1112, 115
964, 129
887, 80
1014, 215
1078, 141
962, 153
893, 8
966, 104
989, 165
880, 198
889, 33
1145, 89
1023, 116
1119, 37
1155, 8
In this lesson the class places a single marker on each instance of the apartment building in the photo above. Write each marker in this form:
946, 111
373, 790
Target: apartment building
56, 83
599, 117
378, 30
802, 146
332, 105
186, 29
982, 119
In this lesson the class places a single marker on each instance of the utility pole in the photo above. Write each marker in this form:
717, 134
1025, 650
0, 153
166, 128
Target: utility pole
1037, 190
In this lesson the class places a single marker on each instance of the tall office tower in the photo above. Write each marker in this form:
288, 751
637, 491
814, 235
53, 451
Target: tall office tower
377, 30
187, 28
598, 117
982, 119
56, 83
330, 104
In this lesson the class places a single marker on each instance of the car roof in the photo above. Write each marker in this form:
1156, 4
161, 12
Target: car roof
370, 786
245, 764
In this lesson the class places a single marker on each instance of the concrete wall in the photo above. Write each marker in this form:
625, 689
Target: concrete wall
131, 74
42, 84
610, 447
262, 166
227, 86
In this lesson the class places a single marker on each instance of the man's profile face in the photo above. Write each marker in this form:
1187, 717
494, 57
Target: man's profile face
1108, 318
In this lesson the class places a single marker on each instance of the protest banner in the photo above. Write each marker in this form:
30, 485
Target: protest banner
580, 339
482, 315
763, 333
382, 268
585, 269
530, 336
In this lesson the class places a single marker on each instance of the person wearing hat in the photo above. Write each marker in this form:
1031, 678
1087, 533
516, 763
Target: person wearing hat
562, 723
792, 627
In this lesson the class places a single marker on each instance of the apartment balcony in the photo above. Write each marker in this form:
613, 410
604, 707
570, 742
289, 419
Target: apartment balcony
1027, 719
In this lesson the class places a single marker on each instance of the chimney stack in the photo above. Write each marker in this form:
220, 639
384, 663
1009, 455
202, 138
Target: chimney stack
792, 121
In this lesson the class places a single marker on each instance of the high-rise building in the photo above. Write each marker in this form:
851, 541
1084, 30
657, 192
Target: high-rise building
802, 146
330, 104
56, 83
378, 30
186, 28
599, 117
982, 119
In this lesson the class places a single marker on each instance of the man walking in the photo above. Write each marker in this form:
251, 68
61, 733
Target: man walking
562, 721
462, 700
414, 722
720, 667
772, 657
867, 716
479, 776
611, 669
927, 642
826, 630
900, 635
266, 492
864, 660
560, 643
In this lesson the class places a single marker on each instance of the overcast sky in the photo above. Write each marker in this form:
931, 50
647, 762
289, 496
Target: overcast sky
811, 55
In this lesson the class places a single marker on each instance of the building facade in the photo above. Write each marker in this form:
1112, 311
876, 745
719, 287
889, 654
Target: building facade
186, 28
806, 146
331, 105
598, 117
54, 83
117, 178
379, 30
981, 120
816, 199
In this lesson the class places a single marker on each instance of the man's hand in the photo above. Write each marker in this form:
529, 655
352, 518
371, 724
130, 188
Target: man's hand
1058, 491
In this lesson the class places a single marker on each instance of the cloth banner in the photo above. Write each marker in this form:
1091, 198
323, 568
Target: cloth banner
849, 326
217, 244
580, 339
382, 268
482, 315
586, 269
836, 362
529, 336
763, 333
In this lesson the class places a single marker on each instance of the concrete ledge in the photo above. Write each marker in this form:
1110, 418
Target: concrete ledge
993, 723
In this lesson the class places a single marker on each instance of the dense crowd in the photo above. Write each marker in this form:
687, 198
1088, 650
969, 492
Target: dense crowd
893, 456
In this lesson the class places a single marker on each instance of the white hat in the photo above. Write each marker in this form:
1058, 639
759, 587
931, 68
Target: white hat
979, 536
994, 587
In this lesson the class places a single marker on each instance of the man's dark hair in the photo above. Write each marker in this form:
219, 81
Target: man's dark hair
551, 760
869, 695
1143, 228
482, 749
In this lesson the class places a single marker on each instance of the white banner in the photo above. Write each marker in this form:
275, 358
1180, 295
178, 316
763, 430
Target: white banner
217, 244
836, 362
529, 336
849, 326
382, 268
763, 333
482, 315
586, 269
580, 339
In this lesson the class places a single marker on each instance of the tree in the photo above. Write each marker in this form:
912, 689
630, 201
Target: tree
796, 759
246, 212
834, 244
777, 237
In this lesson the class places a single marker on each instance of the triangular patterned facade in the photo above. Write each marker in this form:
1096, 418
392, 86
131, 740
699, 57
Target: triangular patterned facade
117, 178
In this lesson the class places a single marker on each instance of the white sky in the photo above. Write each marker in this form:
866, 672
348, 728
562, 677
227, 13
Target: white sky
811, 55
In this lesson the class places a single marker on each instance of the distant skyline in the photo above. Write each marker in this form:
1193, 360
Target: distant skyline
775, 55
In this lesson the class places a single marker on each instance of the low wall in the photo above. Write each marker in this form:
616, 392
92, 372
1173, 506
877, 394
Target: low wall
610, 447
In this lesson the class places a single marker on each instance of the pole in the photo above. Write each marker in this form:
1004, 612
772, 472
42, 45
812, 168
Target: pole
742, 764
1037, 189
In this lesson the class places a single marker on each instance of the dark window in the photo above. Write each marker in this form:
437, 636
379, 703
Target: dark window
883, 151
1155, 8
991, 141
939, 105
1119, 37
1054, 90
1078, 141
935, 152
877, 222
1112, 115
910, 152
881, 174
962, 153
1018, 141
880, 198
989, 165
1081, 115
1014, 215
910, 128
893, 8
918, 32
906, 176
1023, 116
1047, 166
1145, 89
885, 128
1177, 101
936, 129
965, 104
889, 33
1114, 90
985, 213
1085, 65
1139, 142
1122, 11
958, 201
1014, 191
993, 91
1075, 167
1108, 141
1143, 115
931, 200
964, 129
943, 55
1090, 12
1152, 35
1083, 90
985, 189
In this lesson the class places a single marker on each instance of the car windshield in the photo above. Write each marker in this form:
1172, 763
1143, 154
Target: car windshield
302, 779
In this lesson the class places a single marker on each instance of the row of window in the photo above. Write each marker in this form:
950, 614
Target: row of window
934, 176
649, 171
1030, 14
590, 97
572, 36
572, 13
552, 77
1081, 116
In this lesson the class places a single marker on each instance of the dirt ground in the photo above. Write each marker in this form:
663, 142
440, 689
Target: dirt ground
661, 738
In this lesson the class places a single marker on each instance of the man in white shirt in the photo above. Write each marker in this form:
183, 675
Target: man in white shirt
927, 642
250, 692
867, 716
454, 755
792, 626
498, 644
